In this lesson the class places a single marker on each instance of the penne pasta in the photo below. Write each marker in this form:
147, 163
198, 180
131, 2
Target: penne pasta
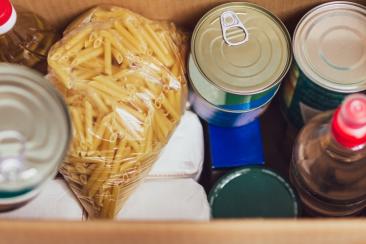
109, 90
169, 108
163, 124
137, 114
86, 55
117, 56
107, 57
98, 102
61, 74
98, 42
77, 120
88, 123
127, 36
128, 22
123, 79
130, 47
85, 74
154, 34
115, 43
74, 50
175, 69
79, 37
164, 59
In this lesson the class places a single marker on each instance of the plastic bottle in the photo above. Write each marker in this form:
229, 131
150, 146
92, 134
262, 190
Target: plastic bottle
24, 37
329, 161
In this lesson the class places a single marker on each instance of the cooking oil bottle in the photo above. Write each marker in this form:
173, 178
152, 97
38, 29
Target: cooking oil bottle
25, 38
329, 161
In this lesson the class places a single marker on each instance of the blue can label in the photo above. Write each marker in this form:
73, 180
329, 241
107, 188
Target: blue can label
223, 118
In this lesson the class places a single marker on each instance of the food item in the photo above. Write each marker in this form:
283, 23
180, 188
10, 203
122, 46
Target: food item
25, 38
35, 132
330, 63
169, 200
239, 54
183, 156
123, 79
249, 193
329, 162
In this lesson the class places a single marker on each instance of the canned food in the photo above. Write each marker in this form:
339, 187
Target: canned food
252, 192
35, 131
330, 60
239, 54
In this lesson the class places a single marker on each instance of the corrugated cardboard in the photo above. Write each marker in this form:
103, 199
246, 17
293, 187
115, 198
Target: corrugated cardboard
186, 13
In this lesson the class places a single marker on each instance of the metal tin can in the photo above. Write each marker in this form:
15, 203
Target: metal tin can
252, 192
330, 60
35, 131
239, 54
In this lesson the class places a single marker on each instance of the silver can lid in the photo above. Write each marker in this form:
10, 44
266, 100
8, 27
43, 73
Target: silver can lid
329, 46
241, 48
35, 130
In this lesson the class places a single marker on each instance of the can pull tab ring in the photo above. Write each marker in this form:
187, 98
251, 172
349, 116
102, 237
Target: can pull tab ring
230, 20
11, 164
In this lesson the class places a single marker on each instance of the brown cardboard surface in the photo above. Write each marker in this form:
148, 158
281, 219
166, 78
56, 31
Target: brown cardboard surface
183, 12
223, 232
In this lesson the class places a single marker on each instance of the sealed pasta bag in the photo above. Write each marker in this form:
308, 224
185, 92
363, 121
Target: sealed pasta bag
123, 78
156, 29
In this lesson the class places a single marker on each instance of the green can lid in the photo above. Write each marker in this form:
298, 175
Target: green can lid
252, 192
329, 46
241, 48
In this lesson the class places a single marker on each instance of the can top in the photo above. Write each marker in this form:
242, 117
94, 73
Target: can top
252, 192
35, 130
330, 48
241, 48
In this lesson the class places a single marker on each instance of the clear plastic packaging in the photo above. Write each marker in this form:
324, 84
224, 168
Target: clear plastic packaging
123, 78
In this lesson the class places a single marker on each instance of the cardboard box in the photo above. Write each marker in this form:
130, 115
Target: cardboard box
186, 13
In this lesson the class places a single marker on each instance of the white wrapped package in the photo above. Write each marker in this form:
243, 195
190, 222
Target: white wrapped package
174, 199
55, 201
183, 156
168, 199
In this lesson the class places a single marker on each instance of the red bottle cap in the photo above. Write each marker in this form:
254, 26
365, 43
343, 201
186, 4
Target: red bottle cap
6, 10
349, 122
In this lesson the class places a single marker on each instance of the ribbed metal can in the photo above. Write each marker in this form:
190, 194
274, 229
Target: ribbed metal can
329, 46
35, 132
240, 52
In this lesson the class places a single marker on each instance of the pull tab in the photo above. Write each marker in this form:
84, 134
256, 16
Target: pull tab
11, 165
230, 20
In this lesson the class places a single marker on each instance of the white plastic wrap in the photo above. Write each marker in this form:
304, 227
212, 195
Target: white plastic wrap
55, 201
174, 199
183, 156
123, 79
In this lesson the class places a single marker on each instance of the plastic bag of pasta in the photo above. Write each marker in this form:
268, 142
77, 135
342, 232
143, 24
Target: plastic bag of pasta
123, 78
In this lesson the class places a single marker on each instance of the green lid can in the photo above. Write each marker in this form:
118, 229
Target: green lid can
253, 192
